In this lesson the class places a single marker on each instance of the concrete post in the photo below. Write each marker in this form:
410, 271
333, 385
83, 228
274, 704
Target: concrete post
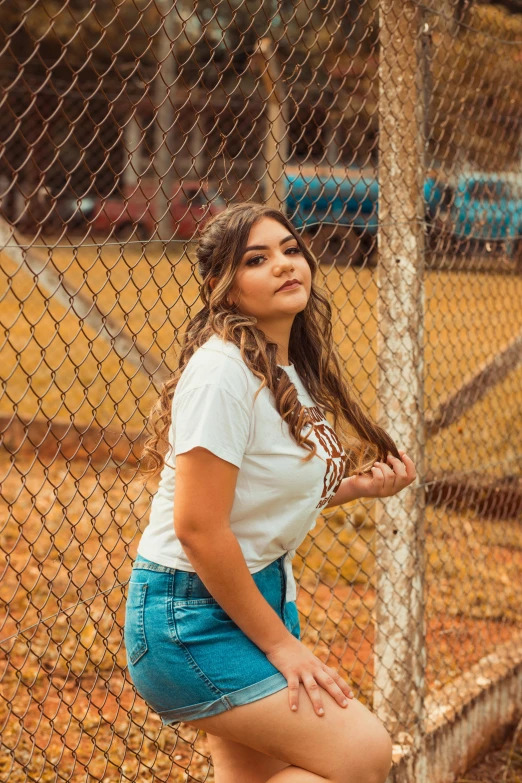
400, 654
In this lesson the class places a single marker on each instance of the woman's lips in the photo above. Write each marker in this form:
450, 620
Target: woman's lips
288, 287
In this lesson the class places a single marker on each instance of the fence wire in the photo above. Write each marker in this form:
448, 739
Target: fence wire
123, 127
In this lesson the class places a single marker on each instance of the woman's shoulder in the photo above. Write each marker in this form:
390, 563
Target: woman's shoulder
219, 363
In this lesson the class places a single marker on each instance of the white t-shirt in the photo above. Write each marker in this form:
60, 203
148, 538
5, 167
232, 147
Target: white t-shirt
278, 497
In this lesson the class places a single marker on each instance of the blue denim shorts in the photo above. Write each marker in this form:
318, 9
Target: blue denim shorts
186, 657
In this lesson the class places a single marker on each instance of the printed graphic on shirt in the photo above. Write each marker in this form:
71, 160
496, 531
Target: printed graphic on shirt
336, 455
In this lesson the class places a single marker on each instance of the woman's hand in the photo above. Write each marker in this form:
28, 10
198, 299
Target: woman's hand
298, 664
385, 479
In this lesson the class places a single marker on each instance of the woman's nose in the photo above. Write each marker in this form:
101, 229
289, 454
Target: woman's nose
284, 262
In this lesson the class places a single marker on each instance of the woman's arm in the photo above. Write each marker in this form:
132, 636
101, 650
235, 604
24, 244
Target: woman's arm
346, 492
203, 498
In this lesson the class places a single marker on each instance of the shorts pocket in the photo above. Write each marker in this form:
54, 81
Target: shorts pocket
194, 601
135, 639
197, 620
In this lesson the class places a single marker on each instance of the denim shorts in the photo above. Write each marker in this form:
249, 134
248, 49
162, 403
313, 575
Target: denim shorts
186, 657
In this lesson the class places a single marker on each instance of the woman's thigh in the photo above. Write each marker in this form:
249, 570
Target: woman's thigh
235, 762
345, 744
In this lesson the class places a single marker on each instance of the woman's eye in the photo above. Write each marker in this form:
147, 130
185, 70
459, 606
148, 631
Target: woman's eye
290, 250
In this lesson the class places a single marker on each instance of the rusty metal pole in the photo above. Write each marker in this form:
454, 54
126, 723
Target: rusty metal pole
400, 653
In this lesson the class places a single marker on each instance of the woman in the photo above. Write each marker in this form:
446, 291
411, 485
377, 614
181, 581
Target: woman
212, 629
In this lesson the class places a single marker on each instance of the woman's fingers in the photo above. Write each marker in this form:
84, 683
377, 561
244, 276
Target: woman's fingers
386, 469
398, 466
335, 685
408, 462
388, 474
406, 467
327, 679
313, 690
410, 467
379, 474
396, 475
293, 691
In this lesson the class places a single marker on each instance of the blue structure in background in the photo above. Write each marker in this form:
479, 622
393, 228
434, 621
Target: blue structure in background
477, 207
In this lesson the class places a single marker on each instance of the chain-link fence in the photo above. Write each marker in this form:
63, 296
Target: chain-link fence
390, 133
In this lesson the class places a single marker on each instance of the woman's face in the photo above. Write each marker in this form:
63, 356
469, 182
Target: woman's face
272, 257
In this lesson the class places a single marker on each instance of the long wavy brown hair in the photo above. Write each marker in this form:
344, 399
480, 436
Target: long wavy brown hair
221, 245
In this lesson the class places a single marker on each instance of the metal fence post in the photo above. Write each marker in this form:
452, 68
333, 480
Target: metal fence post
400, 655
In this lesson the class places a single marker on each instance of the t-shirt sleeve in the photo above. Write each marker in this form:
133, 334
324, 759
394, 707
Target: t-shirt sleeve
212, 417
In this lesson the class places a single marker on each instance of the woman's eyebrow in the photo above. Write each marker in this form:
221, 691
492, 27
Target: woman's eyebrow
265, 247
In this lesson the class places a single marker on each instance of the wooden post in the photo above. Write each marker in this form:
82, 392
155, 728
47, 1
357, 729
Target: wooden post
164, 162
331, 154
196, 149
400, 652
132, 140
275, 149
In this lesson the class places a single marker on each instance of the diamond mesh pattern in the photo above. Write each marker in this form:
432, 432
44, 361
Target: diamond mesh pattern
390, 134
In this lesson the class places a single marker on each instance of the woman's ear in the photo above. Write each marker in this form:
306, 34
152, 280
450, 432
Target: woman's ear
228, 299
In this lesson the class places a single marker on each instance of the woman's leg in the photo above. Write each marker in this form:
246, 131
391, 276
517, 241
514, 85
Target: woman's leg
234, 762
345, 745
296, 775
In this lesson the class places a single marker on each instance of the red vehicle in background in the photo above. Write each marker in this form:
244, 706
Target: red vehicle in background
133, 215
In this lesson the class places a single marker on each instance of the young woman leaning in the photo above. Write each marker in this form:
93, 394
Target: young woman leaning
247, 461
